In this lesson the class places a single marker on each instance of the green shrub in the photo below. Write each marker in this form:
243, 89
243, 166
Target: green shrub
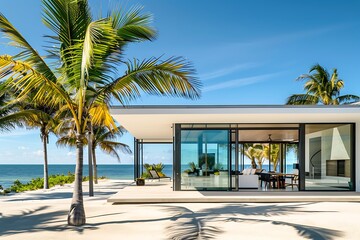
38, 183
157, 167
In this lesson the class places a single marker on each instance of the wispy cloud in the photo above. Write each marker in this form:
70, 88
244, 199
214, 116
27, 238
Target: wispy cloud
226, 71
23, 148
38, 153
286, 37
16, 133
71, 154
240, 82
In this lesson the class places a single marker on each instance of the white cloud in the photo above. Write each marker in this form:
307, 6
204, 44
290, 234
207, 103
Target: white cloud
23, 148
7, 153
38, 153
18, 132
286, 37
240, 82
226, 71
71, 154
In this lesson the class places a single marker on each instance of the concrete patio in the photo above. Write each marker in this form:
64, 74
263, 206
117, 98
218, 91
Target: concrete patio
162, 192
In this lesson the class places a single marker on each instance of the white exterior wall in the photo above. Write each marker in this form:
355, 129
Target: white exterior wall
357, 156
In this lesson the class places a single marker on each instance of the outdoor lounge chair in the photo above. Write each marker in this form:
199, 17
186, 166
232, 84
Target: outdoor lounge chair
154, 175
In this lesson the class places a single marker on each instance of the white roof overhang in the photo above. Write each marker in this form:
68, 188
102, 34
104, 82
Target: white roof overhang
154, 123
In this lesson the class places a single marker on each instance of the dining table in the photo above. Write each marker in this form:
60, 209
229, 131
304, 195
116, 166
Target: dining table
280, 178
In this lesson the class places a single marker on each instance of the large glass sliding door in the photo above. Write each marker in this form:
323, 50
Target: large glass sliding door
329, 160
320, 158
205, 159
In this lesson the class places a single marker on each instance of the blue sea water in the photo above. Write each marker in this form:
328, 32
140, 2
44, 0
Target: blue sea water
24, 173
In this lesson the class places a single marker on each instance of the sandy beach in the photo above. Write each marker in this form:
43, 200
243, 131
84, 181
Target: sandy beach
42, 215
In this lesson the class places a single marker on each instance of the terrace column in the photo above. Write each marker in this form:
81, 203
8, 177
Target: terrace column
177, 158
136, 158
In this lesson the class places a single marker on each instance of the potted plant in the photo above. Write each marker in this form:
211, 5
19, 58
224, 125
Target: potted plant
217, 177
140, 181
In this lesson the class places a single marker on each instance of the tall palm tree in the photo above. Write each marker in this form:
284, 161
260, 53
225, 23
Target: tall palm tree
321, 88
87, 54
103, 138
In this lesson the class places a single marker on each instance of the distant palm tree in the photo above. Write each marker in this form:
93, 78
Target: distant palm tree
39, 116
321, 88
103, 138
20, 112
83, 78
250, 152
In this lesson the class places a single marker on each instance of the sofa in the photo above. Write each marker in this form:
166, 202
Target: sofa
248, 179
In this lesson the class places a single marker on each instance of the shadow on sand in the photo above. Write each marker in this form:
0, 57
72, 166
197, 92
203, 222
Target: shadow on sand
183, 223
197, 225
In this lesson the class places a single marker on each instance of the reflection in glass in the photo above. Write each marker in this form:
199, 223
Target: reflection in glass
328, 157
204, 159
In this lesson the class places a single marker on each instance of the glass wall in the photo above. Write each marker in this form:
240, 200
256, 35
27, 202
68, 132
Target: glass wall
291, 162
328, 157
204, 159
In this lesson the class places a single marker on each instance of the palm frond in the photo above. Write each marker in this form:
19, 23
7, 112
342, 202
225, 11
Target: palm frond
100, 115
348, 98
68, 141
172, 77
67, 19
112, 147
27, 54
26, 80
302, 99
132, 25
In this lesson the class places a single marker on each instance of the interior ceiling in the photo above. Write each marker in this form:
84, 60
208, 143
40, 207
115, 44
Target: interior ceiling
311, 128
251, 135
282, 135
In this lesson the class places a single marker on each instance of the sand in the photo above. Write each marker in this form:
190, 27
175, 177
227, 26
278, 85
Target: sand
42, 215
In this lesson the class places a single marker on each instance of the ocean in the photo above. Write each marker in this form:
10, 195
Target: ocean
24, 173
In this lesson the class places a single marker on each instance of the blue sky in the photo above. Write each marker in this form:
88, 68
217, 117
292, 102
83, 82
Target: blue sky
245, 52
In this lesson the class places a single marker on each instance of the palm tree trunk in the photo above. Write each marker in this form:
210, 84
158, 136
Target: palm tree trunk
46, 173
94, 166
76, 215
253, 163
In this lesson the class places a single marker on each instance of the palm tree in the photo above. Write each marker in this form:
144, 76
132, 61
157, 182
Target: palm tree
103, 138
321, 88
260, 155
250, 152
87, 54
273, 155
39, 116
24, 111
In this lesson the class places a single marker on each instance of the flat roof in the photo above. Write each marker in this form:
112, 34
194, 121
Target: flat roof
154, 122
355, 105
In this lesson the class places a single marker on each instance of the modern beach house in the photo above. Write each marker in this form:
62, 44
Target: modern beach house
303, 148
